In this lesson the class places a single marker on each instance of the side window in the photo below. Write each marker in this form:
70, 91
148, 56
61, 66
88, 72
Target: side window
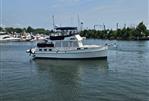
75, 44
45, 49
58, 44
40, 49
65, 44
78, 48
50, 49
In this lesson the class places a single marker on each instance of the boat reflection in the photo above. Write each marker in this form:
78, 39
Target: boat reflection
71, 64
68, 78
71, 67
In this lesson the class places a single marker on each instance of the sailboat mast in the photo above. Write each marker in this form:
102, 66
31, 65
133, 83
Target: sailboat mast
78, 23
53, 22
1, 19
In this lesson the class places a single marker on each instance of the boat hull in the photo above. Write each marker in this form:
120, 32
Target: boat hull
10, 40
95, 53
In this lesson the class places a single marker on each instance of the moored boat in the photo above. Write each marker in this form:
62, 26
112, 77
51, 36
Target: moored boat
4, 37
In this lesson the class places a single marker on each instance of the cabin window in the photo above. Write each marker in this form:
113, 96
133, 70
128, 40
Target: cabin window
78, 48
45, 49
72, 38
75, 44
50, 49
6, 37
86, 48
40, 49
65, 44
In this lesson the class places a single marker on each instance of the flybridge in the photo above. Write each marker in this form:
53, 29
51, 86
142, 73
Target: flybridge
62, 32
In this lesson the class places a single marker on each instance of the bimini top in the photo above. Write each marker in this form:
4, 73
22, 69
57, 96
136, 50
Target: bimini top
66, 28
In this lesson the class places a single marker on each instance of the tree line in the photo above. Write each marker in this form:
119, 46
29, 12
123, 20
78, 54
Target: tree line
29, 29
126, 33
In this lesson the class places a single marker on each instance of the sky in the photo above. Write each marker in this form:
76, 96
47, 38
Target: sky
38, 13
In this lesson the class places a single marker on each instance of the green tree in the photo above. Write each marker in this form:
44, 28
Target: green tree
41, 31
10, 29
141, 27
29, 29
18, 30
141, 30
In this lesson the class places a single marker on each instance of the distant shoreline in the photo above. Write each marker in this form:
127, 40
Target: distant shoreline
139, 39
138, 33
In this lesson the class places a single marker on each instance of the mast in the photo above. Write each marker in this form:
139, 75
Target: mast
1, 23
53, 22
78, 23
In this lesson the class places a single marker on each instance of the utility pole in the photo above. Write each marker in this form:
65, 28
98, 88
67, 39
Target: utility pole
117, 25
81, 26
124, 25
104, 27
53, 22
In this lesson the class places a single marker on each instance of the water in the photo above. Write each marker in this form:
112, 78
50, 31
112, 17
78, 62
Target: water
124, 76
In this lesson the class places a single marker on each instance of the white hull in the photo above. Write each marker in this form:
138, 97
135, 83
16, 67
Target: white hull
10, 40
74, 54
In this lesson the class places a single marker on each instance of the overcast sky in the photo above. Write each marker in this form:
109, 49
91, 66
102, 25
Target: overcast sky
38, 13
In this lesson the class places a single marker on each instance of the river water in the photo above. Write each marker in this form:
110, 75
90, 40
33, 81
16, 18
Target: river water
124, 76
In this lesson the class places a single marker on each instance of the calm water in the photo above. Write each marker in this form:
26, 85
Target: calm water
124, 76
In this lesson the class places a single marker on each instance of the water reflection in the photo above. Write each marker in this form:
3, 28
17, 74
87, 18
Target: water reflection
71, 69
68, 78
71, 66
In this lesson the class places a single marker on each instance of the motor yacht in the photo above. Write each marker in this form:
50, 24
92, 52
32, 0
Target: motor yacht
66, 43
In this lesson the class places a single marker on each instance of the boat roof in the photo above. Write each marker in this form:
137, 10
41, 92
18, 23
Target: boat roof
66, 28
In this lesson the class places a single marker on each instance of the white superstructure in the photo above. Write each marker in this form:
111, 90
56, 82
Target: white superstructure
67, 44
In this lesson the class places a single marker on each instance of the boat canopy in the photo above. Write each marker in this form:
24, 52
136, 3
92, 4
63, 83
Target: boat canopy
66, 28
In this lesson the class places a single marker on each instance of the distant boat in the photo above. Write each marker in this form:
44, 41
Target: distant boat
25, 37
4, 37
66, 43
